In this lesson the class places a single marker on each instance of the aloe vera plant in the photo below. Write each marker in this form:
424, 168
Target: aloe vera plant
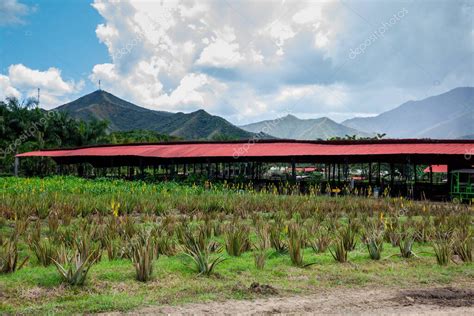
202, 259
296, 241
348, 236
277, 239
9, 257
142, 257
339, 251
44, 250
406, 246
76, 270
260, 257
236, 239
463, 246
199, 250
442, 249
375, 247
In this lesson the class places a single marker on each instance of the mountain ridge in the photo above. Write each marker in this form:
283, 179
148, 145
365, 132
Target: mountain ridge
126, 116
447, 115
293, 127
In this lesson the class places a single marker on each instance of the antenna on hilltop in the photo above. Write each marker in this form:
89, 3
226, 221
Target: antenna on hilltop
38, 100
99, 85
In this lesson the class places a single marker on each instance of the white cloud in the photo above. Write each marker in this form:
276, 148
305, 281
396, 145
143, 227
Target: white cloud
22, 82
24, 78
256, 59
6, 89
12, 12
222, 52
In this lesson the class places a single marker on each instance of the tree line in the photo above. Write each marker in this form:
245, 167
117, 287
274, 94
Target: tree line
26, 127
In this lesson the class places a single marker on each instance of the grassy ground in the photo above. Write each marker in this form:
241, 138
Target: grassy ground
76, 205
111, 284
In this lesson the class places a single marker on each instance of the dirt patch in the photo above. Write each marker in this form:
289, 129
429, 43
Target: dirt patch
442, 297
339, 301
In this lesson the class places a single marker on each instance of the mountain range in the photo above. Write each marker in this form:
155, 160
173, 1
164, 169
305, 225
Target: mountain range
294, 128
448, 115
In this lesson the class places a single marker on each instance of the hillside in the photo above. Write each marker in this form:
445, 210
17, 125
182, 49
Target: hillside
304, 129
126, 116
448, 115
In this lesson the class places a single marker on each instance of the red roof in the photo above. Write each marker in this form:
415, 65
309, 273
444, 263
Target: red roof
437, 169
306, 169
278, 148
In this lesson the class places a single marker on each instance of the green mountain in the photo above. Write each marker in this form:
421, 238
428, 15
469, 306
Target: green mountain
126, 116
308, 129
448, 115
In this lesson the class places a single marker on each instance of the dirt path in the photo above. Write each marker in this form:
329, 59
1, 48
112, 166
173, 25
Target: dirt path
435, 301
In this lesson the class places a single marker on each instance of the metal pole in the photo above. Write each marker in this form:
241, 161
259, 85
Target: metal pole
431, 175
17, 165
293, 170
370, 173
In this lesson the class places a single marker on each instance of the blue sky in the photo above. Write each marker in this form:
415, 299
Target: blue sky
245, 60
55, 34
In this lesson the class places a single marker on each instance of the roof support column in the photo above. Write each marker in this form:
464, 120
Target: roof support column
431, 175
378, 173
17, 166
370, 173
339, 174
293, 170
392, 178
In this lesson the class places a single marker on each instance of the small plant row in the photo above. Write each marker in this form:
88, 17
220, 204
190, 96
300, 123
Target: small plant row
73, 246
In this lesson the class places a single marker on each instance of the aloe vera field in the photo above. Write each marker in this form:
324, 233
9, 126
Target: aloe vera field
73, 245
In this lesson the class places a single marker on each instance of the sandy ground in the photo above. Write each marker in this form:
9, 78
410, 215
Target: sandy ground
434, 301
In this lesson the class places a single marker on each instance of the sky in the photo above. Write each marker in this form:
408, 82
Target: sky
243, 60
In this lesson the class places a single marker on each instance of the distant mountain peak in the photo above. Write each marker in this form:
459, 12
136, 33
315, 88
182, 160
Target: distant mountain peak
126, 116
293, 127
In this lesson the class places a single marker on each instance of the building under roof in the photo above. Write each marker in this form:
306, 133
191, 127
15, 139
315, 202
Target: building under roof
334, 155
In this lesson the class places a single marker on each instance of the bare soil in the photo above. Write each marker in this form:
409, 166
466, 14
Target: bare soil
360, 301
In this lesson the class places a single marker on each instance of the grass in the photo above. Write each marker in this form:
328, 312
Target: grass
112, 284
103, 210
